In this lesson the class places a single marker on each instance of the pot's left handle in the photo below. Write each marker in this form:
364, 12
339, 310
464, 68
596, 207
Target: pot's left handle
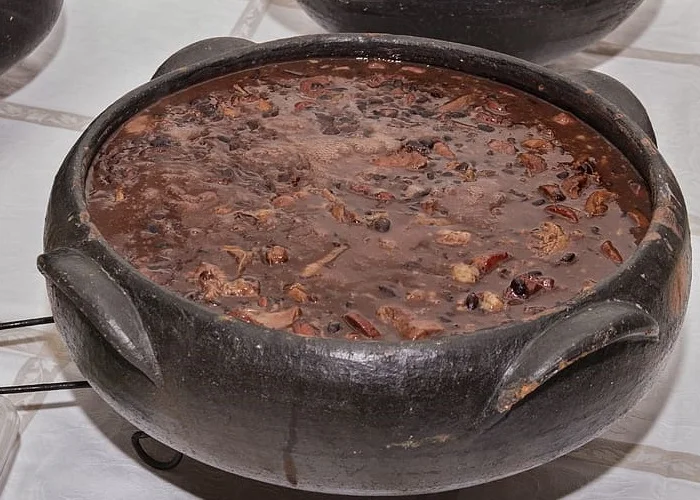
201, 51
566, 342
105, 305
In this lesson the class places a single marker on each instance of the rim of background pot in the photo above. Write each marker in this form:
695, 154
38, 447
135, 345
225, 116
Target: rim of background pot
579, 100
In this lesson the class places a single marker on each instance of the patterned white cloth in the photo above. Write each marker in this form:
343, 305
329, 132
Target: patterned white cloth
74, 446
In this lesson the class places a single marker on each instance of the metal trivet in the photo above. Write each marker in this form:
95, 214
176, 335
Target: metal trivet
136, 437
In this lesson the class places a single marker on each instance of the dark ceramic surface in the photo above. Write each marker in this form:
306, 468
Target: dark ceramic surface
537, 30
23, 25
368, 417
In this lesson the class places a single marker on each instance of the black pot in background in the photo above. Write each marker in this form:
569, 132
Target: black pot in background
23, 25
368, 417
536, 30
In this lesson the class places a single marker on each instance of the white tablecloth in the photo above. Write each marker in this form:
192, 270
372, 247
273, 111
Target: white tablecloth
74, 446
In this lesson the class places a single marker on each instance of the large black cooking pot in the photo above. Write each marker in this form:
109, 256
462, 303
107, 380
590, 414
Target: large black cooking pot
368, 417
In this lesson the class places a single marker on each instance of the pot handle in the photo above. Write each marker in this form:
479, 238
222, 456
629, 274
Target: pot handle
200, 51
569, 340
105, 305
618, 94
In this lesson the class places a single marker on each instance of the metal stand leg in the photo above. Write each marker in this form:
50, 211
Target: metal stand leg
80, 384
136, 438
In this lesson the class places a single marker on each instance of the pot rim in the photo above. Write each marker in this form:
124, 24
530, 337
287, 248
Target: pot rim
669, 213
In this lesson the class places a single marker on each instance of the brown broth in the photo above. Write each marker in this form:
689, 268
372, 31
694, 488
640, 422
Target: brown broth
366, 199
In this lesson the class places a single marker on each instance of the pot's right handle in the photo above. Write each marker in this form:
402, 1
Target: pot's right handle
566, 342
200, 51
104, 304
618, 94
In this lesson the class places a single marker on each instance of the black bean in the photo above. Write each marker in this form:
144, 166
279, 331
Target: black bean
418, 146
539, 202
428, 141
161, 141
228, 173
563, 175
333, 327
381, 224
595, 230
568, 258
207, 109
485, 128
425, 113
330, 130
152, 228
387, 291
519, 287
471, 302
586, 168
422, 193
411, 265
430, 175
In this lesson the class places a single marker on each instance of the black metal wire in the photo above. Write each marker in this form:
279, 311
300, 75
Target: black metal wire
136, 438
21, 323
82, 384
56, 386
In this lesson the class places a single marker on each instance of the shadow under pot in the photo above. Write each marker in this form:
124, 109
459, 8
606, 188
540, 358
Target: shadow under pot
370, 417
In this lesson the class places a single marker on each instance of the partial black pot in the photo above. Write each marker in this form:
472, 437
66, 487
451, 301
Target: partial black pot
23, 25
368, 417
536, 30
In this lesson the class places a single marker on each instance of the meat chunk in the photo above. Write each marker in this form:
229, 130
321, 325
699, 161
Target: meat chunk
452, 238
547, 239
213, 283
597, 202
410, 160
406, 324
534, 164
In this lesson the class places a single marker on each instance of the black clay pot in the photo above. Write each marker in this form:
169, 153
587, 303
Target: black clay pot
369, 417
23, 25
537, 30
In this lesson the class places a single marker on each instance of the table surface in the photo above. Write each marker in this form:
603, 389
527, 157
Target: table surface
74, 446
